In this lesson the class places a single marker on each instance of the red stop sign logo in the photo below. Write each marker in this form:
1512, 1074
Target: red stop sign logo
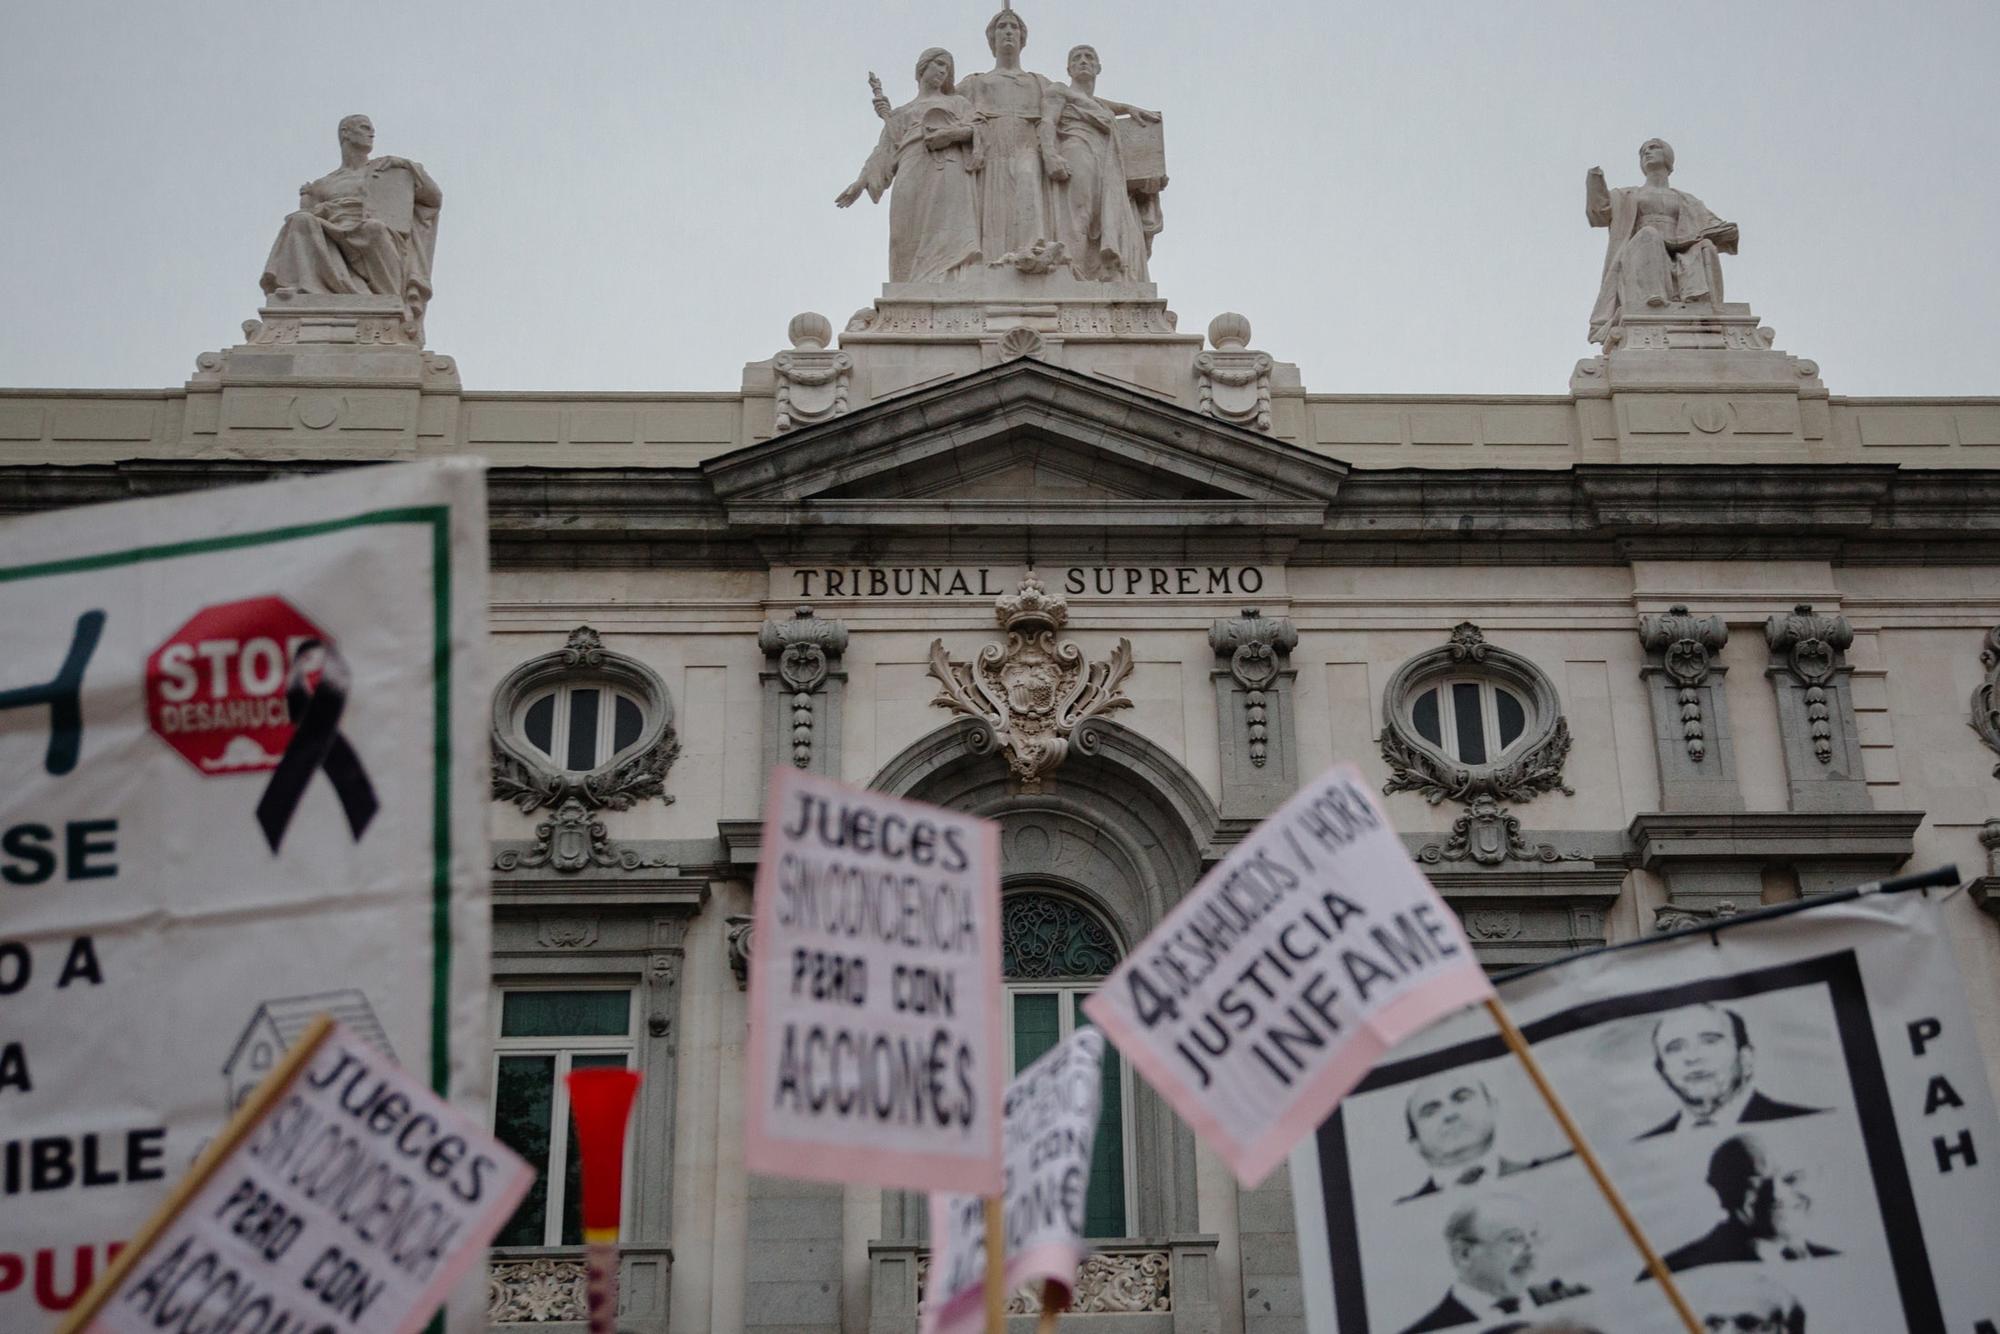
215, 691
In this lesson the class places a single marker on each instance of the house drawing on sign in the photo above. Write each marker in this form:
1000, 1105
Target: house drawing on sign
277, 1023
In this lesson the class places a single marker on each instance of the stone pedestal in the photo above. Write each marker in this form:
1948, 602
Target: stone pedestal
338, 374
1698, 377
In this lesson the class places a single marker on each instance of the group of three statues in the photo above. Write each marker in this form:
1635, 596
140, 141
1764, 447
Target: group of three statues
1005, 168
1010, 169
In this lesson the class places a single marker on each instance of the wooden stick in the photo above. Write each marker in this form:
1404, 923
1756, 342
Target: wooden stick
1654, 1265
996, 1268
219, 1148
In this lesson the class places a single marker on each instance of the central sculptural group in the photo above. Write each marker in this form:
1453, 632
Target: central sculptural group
1009, 169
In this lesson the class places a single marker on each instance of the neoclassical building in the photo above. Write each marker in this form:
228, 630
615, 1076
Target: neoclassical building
1695, 635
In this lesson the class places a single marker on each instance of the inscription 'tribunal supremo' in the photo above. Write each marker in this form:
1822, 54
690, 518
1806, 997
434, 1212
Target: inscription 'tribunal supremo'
984, 581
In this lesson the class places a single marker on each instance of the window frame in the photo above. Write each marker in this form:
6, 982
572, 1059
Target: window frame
1531, 765
526, 774
1070, 993
563, 1048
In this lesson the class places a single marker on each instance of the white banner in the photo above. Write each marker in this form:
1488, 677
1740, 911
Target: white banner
352, 1202
1795, 1107
1051, 1110
875, 1053
242, 780
1269, 991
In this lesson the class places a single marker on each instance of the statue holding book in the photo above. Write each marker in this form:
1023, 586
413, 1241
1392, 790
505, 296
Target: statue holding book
1665, 247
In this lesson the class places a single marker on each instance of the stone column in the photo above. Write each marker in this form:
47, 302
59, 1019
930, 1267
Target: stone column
1816, 710
1691, 735
1254, 689
803, 687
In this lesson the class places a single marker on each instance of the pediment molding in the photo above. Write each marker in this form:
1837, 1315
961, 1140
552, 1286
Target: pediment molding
947, 455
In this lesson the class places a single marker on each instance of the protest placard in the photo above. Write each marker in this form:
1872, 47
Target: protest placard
1051, 1113
344, 1197
242, 781
875, 1029
1269, 991
1796, 1108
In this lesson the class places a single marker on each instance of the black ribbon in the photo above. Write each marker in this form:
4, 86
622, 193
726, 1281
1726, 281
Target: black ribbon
317, 744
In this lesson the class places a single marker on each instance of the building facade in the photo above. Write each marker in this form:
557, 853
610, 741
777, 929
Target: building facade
1695, 636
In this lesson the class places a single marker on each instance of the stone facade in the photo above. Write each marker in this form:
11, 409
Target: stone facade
1692, 637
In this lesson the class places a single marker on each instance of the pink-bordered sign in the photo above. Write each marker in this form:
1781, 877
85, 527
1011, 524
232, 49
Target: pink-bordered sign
1052, 1109
875, 1053
1283, 976
350, 1196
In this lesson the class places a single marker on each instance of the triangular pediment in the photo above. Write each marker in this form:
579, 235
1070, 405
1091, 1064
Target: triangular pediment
1030, 444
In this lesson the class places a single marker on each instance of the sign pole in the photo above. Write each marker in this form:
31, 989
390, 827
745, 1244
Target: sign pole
1654, 1266
996, 1267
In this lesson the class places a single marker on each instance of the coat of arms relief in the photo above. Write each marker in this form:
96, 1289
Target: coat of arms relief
1031, 694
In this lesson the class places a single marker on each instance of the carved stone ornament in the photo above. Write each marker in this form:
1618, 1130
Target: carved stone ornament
1686, 644
1812, 643
1680, 916
531, 780
569, 841
805, 648
812, 379
1110, 1282
533, 1292
1418, 766
1254, 645
566, 933
1032, 694
736, 938
1986, 699
1489, 834
1234, 383
1492, 924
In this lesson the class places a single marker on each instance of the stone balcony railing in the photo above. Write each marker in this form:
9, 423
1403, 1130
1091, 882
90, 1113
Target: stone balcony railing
1125, 1287
540, 1289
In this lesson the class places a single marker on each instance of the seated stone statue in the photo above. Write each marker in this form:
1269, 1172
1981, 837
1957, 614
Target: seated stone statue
367, 228
1665, 245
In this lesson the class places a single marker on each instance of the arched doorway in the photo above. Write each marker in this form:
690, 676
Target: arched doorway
1115, 836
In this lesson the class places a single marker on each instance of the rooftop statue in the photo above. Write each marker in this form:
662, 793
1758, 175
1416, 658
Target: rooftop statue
1055, 177
1096, 217
1665, 245
367, 228
1014, 148
926, 152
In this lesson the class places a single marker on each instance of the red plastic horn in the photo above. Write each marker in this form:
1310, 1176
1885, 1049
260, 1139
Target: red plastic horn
600, 1103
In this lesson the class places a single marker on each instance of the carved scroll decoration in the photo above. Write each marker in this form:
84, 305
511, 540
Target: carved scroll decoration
1254, 643
1686, 644
1489, 834
1812, 643
805, 648
570, 840
1032, 695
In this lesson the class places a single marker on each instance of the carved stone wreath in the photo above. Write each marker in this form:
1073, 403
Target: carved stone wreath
1418, 766
1032, 695
531, 780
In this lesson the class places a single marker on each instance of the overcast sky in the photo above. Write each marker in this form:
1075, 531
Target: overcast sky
639, 196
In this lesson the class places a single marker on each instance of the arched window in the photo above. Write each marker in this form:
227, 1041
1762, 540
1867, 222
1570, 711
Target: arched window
1054, 953
1471, 719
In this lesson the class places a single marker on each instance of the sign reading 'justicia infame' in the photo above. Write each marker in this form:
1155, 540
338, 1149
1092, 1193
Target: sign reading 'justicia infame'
987, 581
